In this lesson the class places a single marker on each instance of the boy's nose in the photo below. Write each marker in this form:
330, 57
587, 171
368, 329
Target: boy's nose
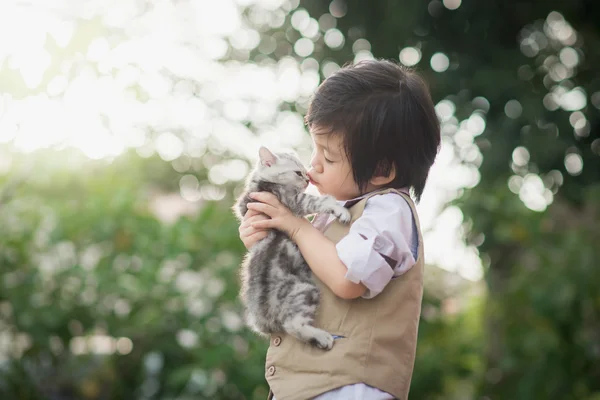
315, 167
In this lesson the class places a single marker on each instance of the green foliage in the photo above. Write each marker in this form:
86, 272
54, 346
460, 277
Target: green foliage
449, 350
545, 312
101, 299
85, 263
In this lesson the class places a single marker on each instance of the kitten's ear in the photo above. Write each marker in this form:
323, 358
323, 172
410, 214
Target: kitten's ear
266, 157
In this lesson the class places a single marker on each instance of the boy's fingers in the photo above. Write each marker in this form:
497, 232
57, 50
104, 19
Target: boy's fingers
251, 240
262, 225
250, 213
258, 217
246, 224
249, 233
258, 235
247, 229
254, 219
264, 197
261, 207
253, 215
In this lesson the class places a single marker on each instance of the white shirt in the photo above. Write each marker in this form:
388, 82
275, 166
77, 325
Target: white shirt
381, 245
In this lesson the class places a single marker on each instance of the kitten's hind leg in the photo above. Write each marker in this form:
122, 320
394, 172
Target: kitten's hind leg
300, 327
253, 324
259, 324
298, 305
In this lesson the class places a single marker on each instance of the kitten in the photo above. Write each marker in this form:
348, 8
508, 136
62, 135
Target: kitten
277, 286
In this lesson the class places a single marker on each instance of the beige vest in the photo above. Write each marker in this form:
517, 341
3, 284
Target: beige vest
379, 335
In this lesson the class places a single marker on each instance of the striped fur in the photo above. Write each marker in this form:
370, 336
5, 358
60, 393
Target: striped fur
277, 286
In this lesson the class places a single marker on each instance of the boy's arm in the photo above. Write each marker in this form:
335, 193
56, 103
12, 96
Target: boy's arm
321, 256
319, 252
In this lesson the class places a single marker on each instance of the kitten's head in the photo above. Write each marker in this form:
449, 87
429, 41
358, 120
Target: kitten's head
283, 168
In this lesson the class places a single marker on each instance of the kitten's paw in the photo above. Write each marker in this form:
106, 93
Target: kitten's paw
342, 214
322, 340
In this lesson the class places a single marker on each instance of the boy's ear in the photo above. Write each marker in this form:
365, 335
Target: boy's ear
380, 179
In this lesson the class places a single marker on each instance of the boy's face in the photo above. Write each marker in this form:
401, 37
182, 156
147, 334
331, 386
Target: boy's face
330, 171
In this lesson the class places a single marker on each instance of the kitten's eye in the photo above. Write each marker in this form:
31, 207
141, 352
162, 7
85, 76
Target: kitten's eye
299, 173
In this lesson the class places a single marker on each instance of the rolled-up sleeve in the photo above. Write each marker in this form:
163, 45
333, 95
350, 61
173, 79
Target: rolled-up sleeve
378, 246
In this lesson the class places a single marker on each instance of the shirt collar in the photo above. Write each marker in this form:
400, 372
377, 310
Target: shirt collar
349, 203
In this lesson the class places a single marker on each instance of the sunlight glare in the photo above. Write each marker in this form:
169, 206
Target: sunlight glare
169, 146
174, 82
533, 193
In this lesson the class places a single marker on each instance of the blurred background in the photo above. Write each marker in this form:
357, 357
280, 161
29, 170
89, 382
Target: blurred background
127, 128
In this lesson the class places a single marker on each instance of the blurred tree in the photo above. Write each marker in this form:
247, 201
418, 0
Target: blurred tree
103, 298
518, 93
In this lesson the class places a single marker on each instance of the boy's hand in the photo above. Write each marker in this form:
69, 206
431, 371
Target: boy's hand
249, 234
281, 219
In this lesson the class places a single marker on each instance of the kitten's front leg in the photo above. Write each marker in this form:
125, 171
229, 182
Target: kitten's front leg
241, 206
309, 204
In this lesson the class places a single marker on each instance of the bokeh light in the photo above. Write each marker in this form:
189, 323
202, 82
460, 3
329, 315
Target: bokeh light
410, 56
126, 132
439, 62
452, 4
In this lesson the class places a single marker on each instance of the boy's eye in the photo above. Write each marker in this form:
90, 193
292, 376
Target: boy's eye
327, 160
299, 173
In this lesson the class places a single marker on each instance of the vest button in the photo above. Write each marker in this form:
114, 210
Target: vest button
277, 341
271, 370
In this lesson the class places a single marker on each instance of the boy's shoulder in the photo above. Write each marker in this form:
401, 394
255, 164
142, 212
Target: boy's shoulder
388, 203
389, 197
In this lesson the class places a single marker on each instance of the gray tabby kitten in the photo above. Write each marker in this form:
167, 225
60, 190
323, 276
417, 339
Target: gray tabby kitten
277, 286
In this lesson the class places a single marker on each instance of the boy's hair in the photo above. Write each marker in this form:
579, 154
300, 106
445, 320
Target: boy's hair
386, 117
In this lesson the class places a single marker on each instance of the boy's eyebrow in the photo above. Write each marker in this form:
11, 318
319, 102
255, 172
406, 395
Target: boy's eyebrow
324, 146
328, 149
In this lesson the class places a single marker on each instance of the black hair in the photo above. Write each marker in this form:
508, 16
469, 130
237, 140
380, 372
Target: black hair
386, 117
